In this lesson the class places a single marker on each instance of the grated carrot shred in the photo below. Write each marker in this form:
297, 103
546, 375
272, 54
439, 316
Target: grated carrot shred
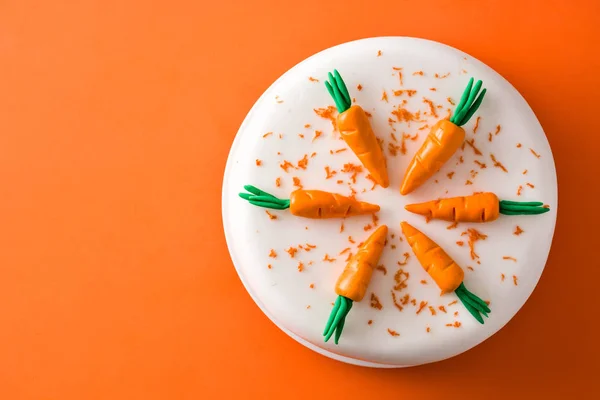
310, 78
258, 162
393, 333
327, 258
476, 124
509, 258
303, 162
534, 153
327, 113
382, 268
471, 143
518, 231
474, 236
271, 216
406, 256
273, 254
375, 303
422, 305
297, 182
497, 163
432, 110
278, 182
384, 96
317, 134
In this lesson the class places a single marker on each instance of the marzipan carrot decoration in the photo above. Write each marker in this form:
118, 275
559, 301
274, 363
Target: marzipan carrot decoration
355, 129
443, 140
310, 203
352, 284
444, 271
480, 207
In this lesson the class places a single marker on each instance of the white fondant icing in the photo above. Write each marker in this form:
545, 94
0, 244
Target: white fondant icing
283, 293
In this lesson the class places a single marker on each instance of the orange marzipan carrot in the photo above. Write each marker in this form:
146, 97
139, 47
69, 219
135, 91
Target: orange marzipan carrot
441, 143
438, 264
480, 207
355, 278
319, 204
445, 137
355, 129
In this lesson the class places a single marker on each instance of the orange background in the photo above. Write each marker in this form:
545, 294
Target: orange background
116, 119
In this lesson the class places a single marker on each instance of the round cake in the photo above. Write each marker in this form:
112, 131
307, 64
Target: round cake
291, 242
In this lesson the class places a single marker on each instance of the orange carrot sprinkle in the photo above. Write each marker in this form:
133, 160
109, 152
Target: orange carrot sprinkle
278, 182
368, 227
301, 135
460, 243
300, 267
432, 310
490, 136
307, 125
422, 305
354, 169
384, 96
392, 332
370, 322
452, 226
359, 87
317, 134
342, 227
519, 145
292, 251
310, 246
534, 153
468, 182
368, 114
375, 303
406, 256
303, 162
470, 268
502, 276
418, 73
481, 165
269, 266
271, 216
525, 172
476, 124
329, 173
273, 254
267, 134
423, 282
472, 144
519, 190
433, 89
515, 280
403, 115
378, 53
400, 278
432, 110
382, 269
474, 236
442, 76
349, 257
413, 302
456, 313
327, 258
452, 303
286, 165
340, 150
518, 231
509, 258
310, 78
530, 185
258, 162
428, 329
347, 249
281, 136
313, 154
409, 92
442, 309
497, 163
327, 113
351, 240
297, 182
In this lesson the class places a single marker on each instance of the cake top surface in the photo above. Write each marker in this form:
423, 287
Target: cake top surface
290, 265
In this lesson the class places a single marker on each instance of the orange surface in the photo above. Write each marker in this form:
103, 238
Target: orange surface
116, 118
